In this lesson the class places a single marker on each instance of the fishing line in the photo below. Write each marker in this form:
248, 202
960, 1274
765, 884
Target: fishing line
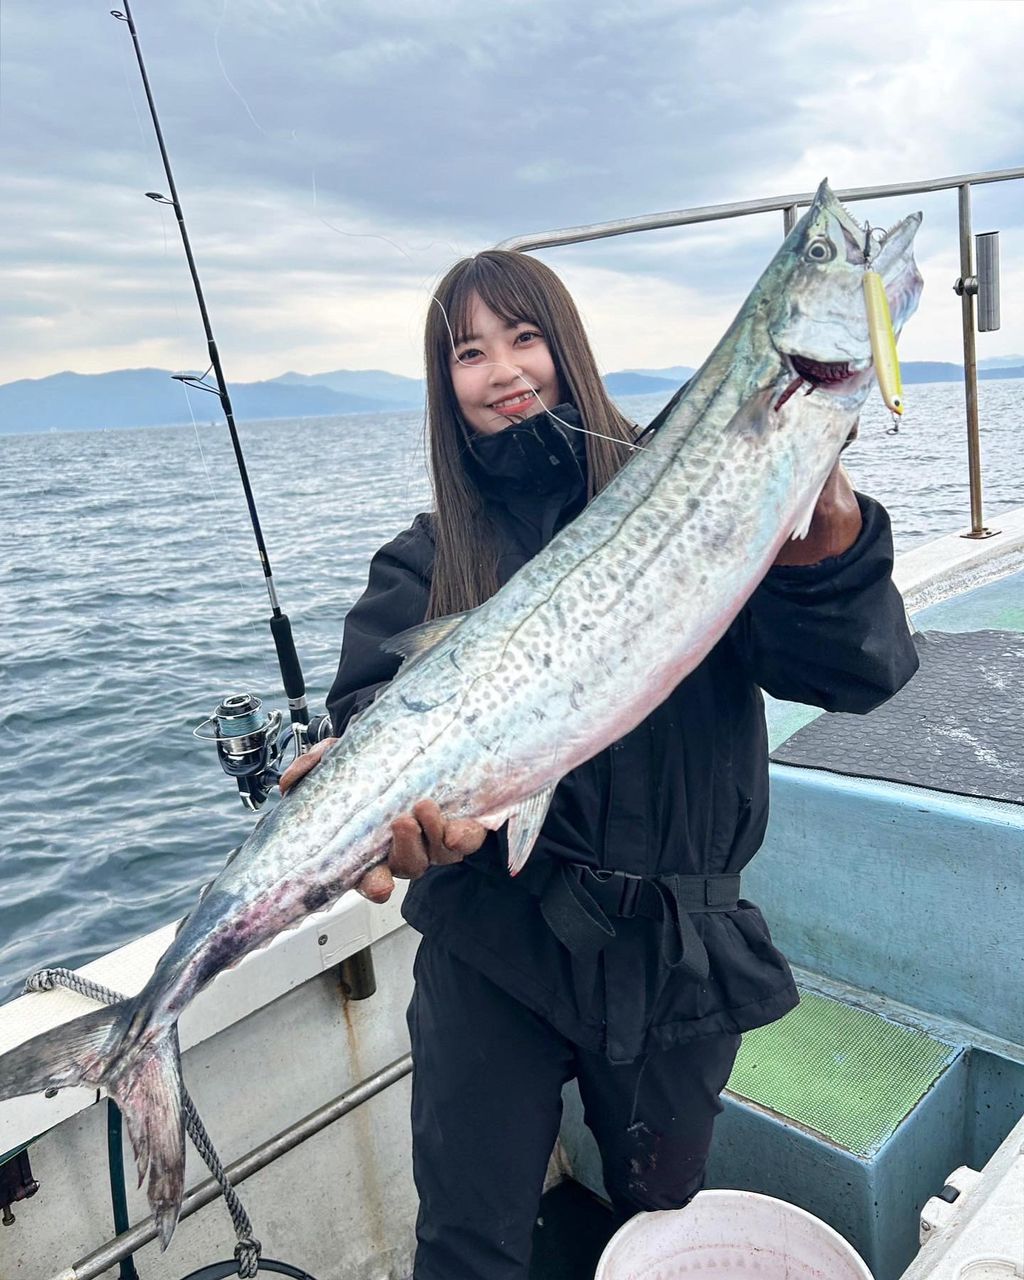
375, 235
500, 364
144, 154
259, 655
224, 72
293, 140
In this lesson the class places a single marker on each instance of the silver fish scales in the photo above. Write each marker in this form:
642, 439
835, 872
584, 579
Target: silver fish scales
493, 708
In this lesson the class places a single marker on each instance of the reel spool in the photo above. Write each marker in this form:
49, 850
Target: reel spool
250, 744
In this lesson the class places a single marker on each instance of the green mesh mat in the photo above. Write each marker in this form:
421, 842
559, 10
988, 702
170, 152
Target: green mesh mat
849, 1075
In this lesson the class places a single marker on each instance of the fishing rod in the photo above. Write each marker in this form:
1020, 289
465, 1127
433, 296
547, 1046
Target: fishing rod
249, 740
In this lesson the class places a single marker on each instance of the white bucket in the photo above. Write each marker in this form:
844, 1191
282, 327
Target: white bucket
730, 1235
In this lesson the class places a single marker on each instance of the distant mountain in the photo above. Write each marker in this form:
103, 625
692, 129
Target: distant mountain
1001, 362
912, 370
389, 388
930, 371
149, 397
628, 383
677, 373
936, 371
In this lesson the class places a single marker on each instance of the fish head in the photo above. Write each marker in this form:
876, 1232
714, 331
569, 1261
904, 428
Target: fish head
816, 313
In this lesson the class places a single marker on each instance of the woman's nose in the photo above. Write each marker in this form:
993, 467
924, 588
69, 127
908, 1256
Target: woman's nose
505, 368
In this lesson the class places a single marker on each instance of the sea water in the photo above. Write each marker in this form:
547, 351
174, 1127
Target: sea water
134, 601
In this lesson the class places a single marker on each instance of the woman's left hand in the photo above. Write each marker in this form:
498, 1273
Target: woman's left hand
420, 840
834, 526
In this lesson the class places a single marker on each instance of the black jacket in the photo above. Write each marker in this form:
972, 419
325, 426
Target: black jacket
684, 792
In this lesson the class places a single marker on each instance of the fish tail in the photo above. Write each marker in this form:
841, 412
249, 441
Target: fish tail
138, 1063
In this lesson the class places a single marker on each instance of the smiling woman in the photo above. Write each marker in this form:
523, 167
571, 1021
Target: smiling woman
502, 371
529, 339
602, 960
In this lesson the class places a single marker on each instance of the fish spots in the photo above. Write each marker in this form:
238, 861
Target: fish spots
316, 897
421, 705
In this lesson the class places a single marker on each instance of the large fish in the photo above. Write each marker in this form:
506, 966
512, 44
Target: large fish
493, 708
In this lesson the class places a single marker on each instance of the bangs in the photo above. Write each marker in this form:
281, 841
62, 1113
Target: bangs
511, 294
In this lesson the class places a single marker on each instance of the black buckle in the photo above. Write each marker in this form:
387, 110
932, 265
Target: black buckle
629, 886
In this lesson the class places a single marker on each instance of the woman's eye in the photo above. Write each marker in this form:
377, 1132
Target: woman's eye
528, 335
469, 353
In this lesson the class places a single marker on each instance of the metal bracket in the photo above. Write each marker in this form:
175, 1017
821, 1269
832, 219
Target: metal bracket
16, 1183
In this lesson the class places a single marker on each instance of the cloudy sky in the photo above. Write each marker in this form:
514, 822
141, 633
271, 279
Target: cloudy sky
333, 158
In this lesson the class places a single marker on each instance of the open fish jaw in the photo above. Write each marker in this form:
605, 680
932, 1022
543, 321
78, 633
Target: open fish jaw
814, 326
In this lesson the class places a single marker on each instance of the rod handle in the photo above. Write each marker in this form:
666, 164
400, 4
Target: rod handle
291, 672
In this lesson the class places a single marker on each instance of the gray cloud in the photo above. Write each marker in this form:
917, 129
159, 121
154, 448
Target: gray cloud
333, 159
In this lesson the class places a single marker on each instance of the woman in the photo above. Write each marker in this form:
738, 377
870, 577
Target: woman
623, 955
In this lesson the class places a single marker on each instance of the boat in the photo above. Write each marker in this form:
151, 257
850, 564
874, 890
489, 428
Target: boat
889, 1103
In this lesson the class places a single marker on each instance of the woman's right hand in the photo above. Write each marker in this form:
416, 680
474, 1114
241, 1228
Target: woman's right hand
419, 840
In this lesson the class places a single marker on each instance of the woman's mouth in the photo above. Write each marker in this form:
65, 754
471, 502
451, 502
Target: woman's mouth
514, 404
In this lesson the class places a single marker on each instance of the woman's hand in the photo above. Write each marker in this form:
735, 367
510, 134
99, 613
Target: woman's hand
834, 526
419, 840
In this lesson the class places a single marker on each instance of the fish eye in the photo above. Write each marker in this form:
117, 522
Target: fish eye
820, 250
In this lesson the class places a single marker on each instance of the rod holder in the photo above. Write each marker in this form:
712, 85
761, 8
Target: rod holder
987, 269
357, 976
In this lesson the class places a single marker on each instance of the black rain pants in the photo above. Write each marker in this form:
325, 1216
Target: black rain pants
486, 1106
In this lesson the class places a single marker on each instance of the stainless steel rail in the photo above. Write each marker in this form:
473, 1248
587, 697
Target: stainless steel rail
789, 206
95, 1263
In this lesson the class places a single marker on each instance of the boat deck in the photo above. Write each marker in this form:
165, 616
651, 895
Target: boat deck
958, 726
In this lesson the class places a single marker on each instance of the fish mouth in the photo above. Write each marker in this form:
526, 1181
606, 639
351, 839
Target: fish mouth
837, 376
823, 375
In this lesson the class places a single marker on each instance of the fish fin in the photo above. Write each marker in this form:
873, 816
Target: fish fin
416, 641
143, 1076
803, 524
150, 1100
524, 826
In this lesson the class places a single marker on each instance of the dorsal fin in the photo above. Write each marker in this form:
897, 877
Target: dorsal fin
416, 641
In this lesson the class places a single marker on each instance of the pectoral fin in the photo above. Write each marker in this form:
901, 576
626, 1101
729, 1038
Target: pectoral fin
803, 525
524, 827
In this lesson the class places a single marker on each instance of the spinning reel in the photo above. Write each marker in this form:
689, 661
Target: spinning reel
251, 744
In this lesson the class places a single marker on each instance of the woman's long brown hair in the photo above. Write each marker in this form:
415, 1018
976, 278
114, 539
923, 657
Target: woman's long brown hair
517, 288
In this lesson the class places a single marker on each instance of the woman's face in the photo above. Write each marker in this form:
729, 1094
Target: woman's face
502, 373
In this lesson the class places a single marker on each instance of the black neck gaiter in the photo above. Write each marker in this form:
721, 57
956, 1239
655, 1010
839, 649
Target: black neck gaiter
537, 457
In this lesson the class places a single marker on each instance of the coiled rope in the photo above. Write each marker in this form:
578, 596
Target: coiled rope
248, 1248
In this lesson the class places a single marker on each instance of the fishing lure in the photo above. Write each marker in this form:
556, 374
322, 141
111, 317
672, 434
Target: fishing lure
883, 345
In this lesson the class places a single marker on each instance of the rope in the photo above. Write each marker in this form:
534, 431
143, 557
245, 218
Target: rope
248, 1249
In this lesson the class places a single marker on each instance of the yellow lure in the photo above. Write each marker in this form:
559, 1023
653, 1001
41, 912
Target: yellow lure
883, 342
